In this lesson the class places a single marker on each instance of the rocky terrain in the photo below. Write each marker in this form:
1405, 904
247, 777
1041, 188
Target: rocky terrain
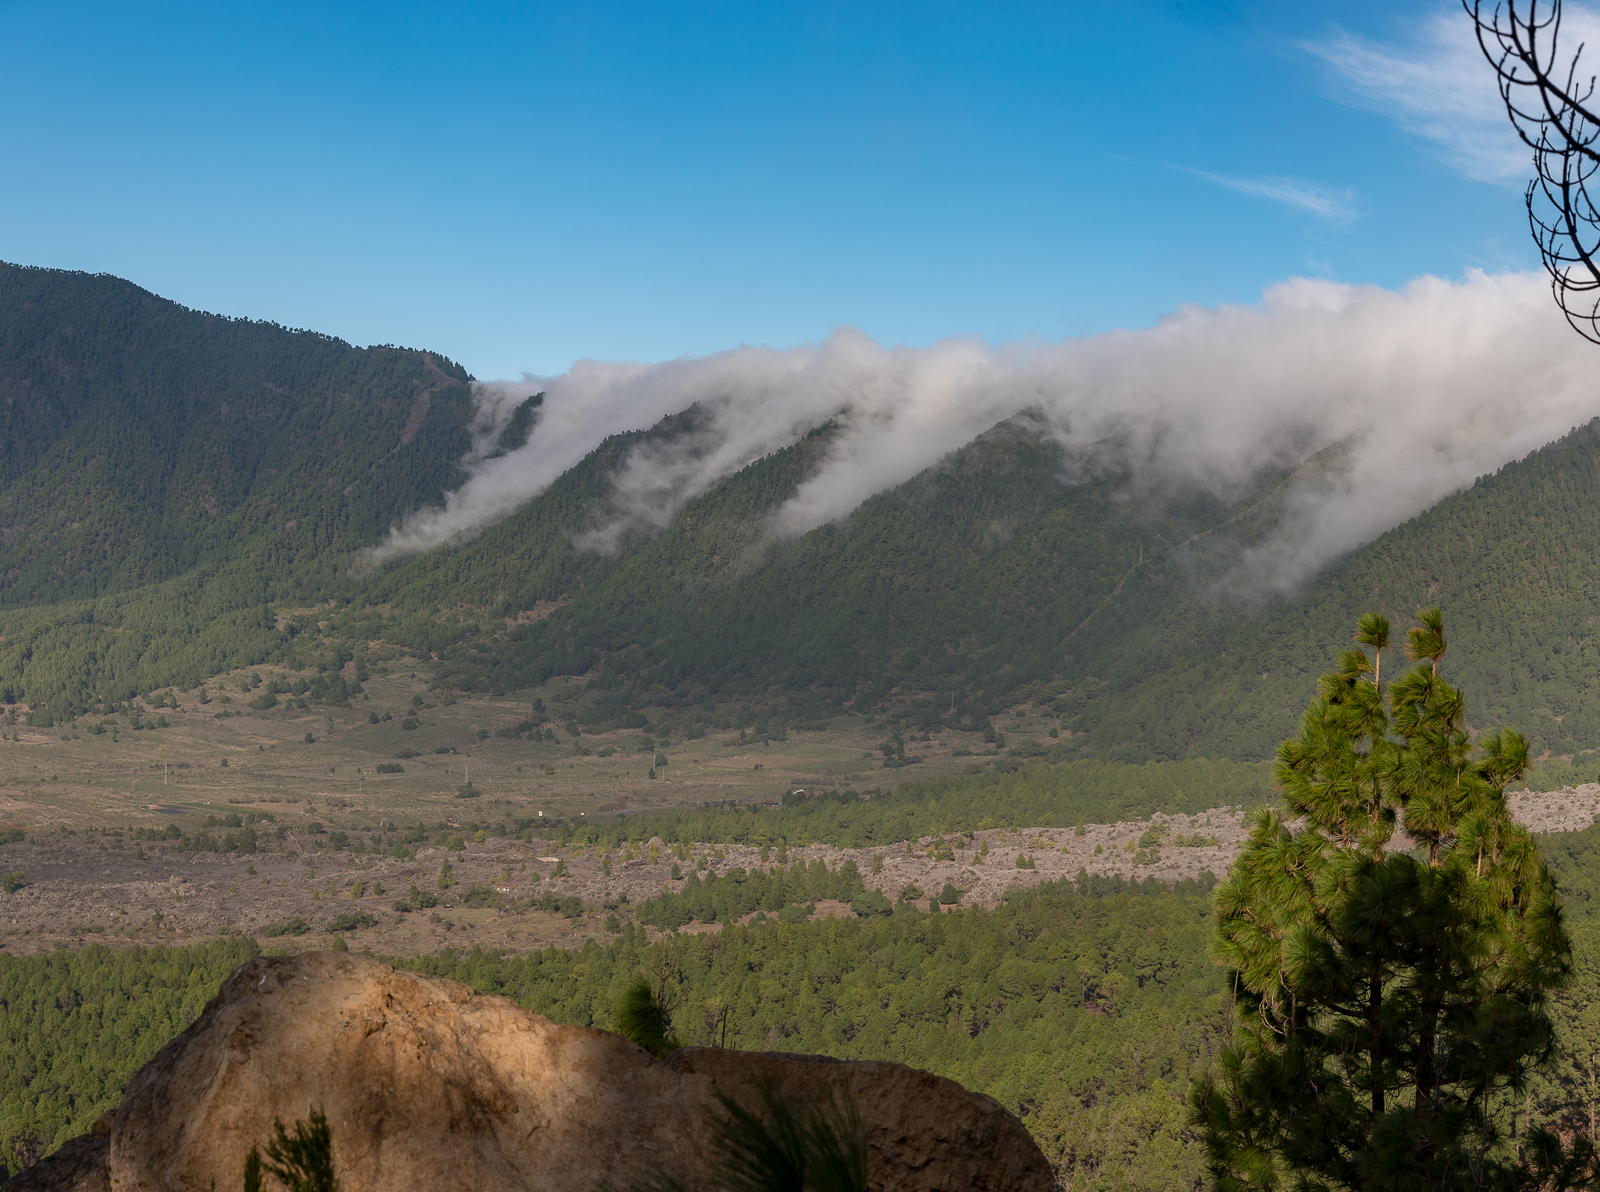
1569, 810
75, 887
428, 1085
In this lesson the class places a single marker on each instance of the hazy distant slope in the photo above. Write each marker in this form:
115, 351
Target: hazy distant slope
1514, 561
532, 556
138, 438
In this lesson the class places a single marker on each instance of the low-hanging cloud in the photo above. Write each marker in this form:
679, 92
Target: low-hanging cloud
1424, 389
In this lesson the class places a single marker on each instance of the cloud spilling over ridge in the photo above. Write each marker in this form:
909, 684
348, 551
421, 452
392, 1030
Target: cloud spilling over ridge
1424, 388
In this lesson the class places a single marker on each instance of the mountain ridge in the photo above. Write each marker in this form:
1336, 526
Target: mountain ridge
170, 481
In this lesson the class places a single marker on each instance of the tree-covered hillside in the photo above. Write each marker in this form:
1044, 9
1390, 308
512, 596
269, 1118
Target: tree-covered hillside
171, 481
76, 1026
139, 438
166, 474
967, 580
1514, 561
989, 582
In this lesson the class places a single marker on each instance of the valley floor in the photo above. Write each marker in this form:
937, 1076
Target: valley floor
82, 793
84, 887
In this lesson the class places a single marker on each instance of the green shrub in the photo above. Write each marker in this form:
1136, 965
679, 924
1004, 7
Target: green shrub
869, 903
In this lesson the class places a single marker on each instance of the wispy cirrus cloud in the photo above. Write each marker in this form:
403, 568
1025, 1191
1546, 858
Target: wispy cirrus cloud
1437, 86
1335, 206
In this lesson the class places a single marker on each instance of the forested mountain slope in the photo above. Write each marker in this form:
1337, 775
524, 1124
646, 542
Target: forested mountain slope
1514, 561
989, 582
165, 474
138, 438
170, 481
977, 568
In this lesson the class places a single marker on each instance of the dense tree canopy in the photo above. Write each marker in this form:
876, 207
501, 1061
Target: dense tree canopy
76, 1026
1386, 996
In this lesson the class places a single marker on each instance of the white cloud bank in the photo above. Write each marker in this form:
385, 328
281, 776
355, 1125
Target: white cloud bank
1430, 386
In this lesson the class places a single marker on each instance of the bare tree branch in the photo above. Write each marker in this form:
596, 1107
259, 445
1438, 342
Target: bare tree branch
1551, 106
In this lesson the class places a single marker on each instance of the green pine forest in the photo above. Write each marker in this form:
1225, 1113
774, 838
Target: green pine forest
167, 477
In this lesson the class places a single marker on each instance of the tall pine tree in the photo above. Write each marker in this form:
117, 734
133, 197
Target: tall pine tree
1392, 936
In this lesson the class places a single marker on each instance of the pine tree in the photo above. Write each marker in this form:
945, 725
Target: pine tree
302, 1162
1387, 989
644, 1016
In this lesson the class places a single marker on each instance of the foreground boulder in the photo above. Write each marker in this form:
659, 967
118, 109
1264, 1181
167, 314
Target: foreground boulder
428, 1085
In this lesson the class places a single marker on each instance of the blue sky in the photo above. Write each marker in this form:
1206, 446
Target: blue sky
521, 186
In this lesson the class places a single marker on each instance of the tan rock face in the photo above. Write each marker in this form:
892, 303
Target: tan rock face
427, 1085
923, 1131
